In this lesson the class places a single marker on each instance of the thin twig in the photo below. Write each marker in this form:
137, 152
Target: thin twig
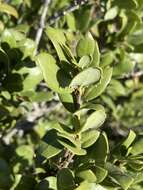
134, 74
68, 159
74, 6
42, 23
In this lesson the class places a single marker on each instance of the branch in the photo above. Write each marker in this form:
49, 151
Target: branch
74, 6
42, 23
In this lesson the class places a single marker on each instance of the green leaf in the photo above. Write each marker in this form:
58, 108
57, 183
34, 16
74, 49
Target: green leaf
68, 101
107, 58
136, 165
88, 138
119, 177
85, 46
129, 140
89, 186
49, 183
111, 13
71, 138
71, 147
26, 152
33, 76
9, 38
83, 18
65, 180
116, 88
8, 9
137, 147
57, 38
96, 56
61, 128
71, 21
98, 89
49, 146
100, 173
39, 96
87, 175
56, 79
85, 78
84, 61
95, 120
128, 4
27, 47
95, 152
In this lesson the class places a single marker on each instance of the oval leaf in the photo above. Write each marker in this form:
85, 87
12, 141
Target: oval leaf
86, 77
85, 46
8, 9
95, 120
55, 79
95, 91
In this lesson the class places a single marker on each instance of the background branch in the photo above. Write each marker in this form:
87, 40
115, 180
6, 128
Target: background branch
42, 23
74, 6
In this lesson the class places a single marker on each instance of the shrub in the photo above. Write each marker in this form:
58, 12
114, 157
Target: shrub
71, 97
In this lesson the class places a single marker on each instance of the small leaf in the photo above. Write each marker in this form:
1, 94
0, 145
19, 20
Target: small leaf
95, 152
84, 61
70, 146
87, 175
26, 152
111, 13
128, 4
88, 138
8, 9
56, 79
95, 120
107, 59
137, 147
65, 180
98, 89
33, 77
125, 180
85, 46
49, 146
96, 56
87, 77
27, 47
47, 184
71, 21
57, 38
68, 101
129, 140
9, 38
100, 173
89, 186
